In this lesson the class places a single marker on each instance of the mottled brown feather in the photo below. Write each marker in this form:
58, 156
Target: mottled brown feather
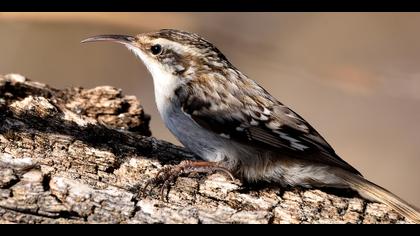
235, 118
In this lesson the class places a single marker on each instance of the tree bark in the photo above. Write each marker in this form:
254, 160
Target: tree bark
83, 156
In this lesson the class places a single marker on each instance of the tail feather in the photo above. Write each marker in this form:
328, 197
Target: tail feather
374, 192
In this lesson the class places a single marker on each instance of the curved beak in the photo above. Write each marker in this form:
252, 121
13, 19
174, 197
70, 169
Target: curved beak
124, 39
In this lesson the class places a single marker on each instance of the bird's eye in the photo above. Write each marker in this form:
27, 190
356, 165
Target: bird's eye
156, 49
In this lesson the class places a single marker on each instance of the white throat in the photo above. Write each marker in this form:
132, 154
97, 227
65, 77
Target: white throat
164, 82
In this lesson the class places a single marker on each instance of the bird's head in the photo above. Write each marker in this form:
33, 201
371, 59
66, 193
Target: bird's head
171, 52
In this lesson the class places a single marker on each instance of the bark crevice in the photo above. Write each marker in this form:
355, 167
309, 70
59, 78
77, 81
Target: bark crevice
81, 156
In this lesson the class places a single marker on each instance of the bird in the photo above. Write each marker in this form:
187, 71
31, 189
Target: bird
235, 125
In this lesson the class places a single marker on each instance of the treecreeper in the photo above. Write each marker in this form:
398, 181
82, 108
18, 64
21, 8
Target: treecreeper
235, 125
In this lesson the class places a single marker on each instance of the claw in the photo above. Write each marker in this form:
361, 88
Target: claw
154, 180
143, 191
226, 172
169, 174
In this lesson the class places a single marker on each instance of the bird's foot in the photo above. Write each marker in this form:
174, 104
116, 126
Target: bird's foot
169, 174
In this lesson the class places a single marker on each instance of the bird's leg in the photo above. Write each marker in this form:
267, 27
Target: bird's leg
168, 174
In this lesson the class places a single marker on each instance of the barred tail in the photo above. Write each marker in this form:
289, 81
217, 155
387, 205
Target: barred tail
374, 192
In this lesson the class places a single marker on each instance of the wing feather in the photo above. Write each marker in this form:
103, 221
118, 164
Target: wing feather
259, 120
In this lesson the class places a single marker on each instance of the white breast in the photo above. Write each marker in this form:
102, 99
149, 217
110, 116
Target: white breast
165, 85
207, 145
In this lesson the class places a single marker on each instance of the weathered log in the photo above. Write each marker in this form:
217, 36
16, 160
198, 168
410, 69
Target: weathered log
82, 156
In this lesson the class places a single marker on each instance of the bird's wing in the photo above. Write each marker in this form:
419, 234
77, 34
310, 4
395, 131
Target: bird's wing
261, 121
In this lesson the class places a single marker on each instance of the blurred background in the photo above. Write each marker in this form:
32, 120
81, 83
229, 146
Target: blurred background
354, 76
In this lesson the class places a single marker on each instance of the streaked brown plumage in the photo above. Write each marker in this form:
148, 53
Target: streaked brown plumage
236, 125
